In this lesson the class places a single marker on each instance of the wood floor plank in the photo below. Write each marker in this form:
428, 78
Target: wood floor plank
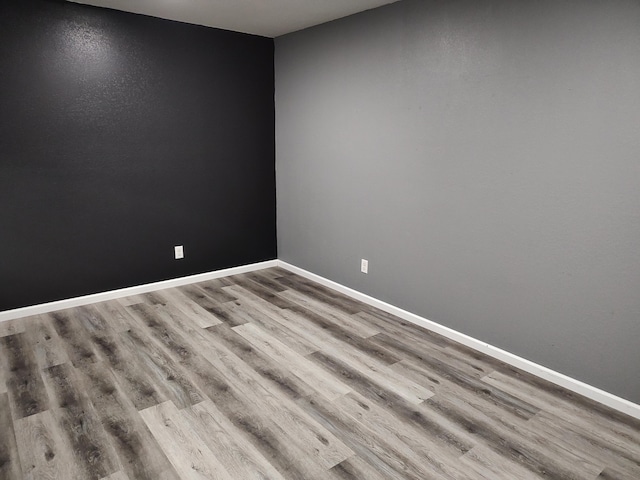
605, 452
441, 455
266, 281
482, 462
311, 289
78, 420
218, 310
436, 362
154, 298
117, 476
170, 380
140, 455
616, 418
188, 454
89, 327
376, 450
46, 344
244, 296
131, 300
70, 331
355, 468
26, 390
539, 440
420, 351
10, 467
318, 444
277, 375
612, 473
239, 456
379, 374
625, 435
44, 451
190, 309
12, 327
438, 458
481, 363
452, 382
529, 453
397, 327
324, 332
4, 373
324, 383
268, 317
259, 430
313, 328
219, 282
261, 291
3, 376
310, 306
406, 411
91, 321
276, 272
215, 291
117, 315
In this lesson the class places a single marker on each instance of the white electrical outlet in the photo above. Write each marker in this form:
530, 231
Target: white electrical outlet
179, 251
364, 266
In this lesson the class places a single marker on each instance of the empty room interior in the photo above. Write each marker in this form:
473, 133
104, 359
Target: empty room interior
293, 239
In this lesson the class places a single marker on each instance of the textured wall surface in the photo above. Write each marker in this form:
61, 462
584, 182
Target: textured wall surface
122, 136
484, 156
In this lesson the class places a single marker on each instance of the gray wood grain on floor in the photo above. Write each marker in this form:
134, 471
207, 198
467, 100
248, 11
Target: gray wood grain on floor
268, 375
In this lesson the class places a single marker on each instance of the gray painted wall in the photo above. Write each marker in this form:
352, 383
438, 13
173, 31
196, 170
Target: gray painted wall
484, 156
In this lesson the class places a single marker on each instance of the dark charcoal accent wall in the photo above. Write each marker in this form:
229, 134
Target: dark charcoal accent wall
122, 136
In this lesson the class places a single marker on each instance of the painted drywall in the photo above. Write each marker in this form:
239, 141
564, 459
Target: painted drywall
122, 136
484, 156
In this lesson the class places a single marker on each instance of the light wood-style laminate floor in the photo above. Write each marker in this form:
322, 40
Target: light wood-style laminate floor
269, 375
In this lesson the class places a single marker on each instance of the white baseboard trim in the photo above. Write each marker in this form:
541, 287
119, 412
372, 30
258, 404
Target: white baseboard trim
125, 292
605, 398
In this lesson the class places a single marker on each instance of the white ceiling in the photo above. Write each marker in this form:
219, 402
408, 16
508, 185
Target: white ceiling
268, 18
